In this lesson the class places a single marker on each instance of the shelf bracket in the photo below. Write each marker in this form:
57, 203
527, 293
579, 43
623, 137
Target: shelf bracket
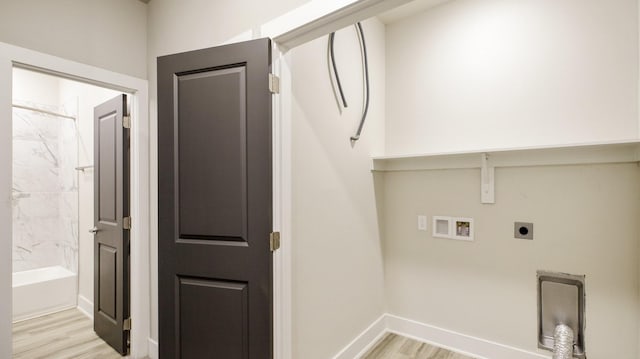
487, 181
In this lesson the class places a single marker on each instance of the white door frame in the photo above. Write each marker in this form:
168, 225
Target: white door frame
11, 56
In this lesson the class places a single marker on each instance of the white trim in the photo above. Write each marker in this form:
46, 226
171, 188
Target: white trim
153, 349
443, 338
140, 291
365, 341
590, 153
85, 306
282, 266
6, 69
454, 341
627, 151
140, 299
320, 17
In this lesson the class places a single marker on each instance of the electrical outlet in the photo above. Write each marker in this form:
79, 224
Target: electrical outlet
523, 230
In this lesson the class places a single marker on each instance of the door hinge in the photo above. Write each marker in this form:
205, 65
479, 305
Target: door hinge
274, 83
127, 324
126, 222
274, 241
126, 121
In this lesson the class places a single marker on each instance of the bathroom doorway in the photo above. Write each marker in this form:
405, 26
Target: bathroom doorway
141, 305
52, 212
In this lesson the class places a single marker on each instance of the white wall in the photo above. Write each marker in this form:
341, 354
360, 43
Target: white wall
34, 86
470, 75
585, 222
498, 73
87, 97
177, 26
337, 260
110, 34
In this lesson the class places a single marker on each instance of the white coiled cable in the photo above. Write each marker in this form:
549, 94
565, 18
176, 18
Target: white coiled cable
563, 342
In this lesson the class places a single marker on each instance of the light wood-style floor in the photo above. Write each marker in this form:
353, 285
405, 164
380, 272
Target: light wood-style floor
69, 334
393, 346
63, 335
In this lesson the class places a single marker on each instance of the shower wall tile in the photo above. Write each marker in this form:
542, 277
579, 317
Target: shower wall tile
36, 154
28, 179
30, 206
30, 125
68, 143
45, 191
68, 205
36, 243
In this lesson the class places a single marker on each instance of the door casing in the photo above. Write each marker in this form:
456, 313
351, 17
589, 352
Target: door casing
13, 56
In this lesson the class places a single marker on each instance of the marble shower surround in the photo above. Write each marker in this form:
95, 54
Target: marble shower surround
45, 189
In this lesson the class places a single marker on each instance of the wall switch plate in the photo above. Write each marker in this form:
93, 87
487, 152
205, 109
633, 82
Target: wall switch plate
422, 223
523, 230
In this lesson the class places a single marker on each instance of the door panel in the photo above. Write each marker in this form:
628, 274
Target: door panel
111, 239
215, 203
107, 282
212, 211
107, 144
222, 329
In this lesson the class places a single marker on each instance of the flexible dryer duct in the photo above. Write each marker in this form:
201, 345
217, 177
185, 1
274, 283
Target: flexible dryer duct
563, 342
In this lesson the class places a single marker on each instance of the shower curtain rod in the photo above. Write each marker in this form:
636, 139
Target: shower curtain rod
43, 111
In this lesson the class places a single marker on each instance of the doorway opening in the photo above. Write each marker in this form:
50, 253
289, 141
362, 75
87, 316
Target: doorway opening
53, 215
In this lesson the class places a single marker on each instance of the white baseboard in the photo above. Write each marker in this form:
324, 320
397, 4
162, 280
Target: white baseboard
85, 306
461, 343
443, 338
153, 349
364, 341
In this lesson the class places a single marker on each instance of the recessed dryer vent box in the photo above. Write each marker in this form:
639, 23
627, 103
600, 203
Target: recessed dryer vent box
561, 300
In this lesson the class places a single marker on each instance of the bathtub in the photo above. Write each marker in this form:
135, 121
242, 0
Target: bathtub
43, 291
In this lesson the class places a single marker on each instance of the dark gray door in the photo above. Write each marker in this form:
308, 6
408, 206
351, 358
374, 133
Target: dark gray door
111, 220
215, 203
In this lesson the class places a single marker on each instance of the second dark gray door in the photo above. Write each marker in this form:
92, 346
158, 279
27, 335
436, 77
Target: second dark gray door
215, 203
111, 234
